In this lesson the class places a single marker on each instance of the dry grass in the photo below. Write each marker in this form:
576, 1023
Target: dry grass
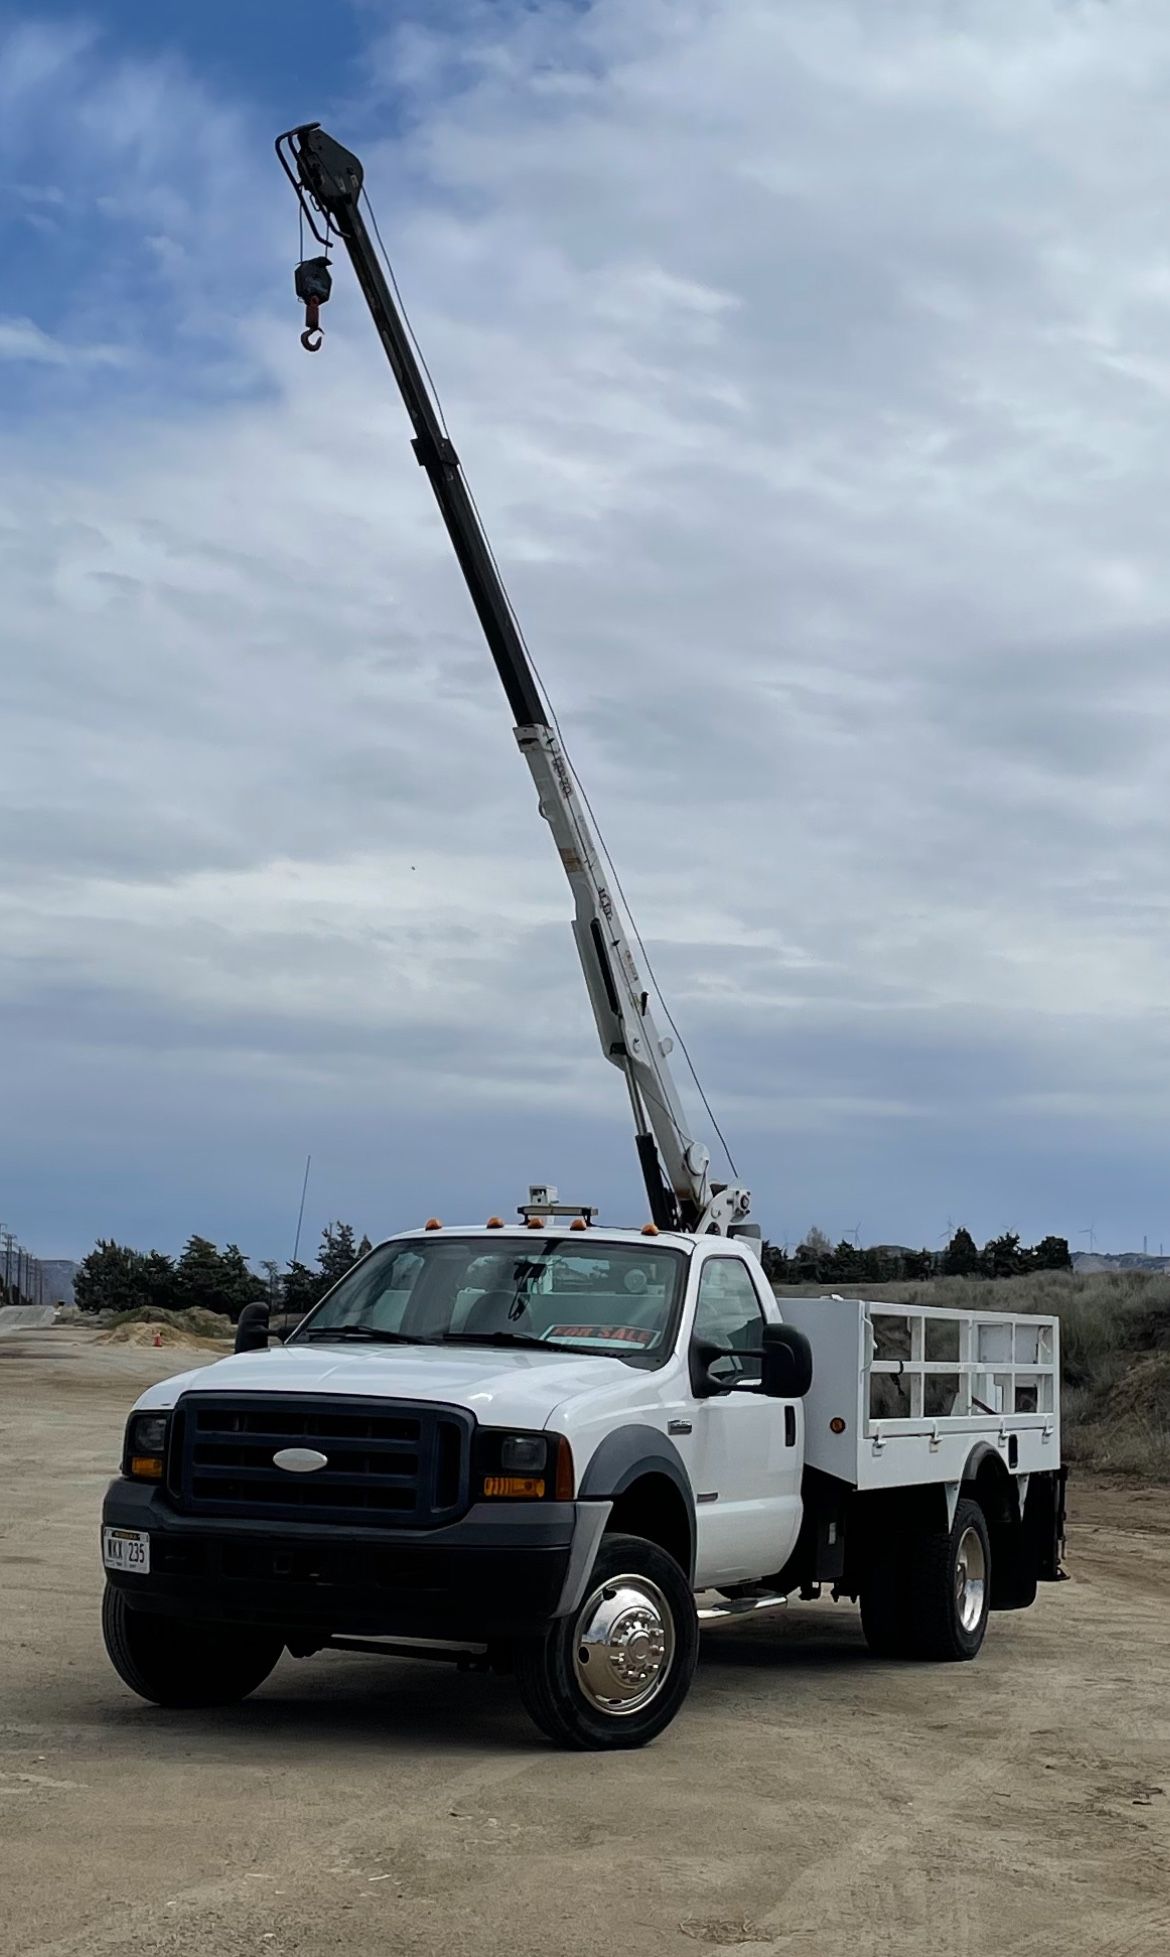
1115, 1348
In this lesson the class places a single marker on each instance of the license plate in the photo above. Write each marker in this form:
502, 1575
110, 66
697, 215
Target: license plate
126, 1549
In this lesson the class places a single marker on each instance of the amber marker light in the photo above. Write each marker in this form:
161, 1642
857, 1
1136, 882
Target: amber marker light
649, 1229
433, 1223
836, 1425
495, 1223
527, 1487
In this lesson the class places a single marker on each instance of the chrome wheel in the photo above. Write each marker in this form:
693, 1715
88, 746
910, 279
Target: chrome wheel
970, 1580
623, 1645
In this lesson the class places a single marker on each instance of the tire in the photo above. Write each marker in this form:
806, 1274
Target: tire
930, 1599
628, 1698
883, 1607
173, 1662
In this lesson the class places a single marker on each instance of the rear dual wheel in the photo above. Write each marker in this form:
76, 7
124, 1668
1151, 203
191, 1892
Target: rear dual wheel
928, 1595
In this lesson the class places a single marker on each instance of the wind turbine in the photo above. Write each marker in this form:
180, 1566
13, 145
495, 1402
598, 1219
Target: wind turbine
1091, 1233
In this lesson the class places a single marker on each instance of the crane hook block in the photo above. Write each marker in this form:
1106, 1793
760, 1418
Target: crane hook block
314, 283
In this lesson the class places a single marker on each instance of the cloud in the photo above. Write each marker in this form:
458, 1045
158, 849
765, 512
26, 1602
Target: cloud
23, 339
807, 364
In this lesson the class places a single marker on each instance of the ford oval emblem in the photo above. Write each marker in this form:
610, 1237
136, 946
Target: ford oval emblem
300, 1460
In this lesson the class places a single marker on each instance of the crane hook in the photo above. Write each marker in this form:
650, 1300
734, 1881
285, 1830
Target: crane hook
312, 336
313, 285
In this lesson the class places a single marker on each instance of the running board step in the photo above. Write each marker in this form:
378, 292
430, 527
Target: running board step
738, 1607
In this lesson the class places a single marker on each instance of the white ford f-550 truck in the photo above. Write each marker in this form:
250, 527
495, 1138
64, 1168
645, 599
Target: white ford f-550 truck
552, 1448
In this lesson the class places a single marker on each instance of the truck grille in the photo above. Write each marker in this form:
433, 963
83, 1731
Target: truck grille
390, 1463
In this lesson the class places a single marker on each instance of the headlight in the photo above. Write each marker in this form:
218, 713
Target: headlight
521, 1467
524, 1454
145, 1450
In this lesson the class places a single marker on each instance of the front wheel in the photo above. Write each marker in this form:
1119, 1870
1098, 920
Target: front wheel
615, 1672
173, 1662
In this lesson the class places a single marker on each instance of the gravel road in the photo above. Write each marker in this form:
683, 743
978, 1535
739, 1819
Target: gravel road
807, 1801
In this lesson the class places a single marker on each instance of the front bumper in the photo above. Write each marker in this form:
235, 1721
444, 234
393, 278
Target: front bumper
499, 1572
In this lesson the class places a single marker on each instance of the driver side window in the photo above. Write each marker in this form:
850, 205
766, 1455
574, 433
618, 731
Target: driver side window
728, 1314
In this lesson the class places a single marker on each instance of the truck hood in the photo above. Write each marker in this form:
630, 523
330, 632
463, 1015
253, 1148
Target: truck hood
513, 1389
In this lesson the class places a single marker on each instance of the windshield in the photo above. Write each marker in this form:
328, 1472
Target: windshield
618, 1299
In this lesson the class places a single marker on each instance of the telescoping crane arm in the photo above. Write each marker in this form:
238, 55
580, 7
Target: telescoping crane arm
328, 182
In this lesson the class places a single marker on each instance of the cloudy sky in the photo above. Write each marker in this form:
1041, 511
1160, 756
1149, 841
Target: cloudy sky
811, 364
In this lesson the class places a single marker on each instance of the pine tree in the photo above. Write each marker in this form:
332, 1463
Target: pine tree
961, 1259
239, 1286
1050, 1254
200, 1280
301, 1288
1001, 1256
338, 1252
112, 1278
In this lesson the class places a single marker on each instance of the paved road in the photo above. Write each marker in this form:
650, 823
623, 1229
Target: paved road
25, 1318
809, 1801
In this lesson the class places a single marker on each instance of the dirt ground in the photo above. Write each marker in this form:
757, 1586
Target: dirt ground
808, 1800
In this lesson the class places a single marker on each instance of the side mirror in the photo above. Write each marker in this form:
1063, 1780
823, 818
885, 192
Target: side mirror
703, 1355
252, 1329
787, 1363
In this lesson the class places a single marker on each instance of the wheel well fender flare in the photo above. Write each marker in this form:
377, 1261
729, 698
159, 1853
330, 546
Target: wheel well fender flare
628, 1454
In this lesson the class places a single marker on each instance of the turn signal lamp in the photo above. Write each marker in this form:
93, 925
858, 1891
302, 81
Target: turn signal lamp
146, 1467
527, 1487
433, 1223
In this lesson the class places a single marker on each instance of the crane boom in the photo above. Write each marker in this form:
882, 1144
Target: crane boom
328, 181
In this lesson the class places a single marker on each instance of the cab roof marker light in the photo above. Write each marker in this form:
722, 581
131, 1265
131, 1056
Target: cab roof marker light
578, 1223
536, 1223
495, 1223
650, 1230
433, 1223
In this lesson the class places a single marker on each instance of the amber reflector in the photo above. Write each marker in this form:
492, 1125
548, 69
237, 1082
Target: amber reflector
563, 1486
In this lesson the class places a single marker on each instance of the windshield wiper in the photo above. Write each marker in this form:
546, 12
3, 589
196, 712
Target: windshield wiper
496, 1338
368, 1332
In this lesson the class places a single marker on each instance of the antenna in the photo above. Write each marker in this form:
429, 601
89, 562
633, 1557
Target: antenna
301, 1211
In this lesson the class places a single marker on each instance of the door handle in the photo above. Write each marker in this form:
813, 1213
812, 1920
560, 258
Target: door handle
679, 1426
790, 1426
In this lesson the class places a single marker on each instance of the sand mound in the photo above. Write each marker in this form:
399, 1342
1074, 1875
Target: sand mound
165, 1334
1143, 1393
